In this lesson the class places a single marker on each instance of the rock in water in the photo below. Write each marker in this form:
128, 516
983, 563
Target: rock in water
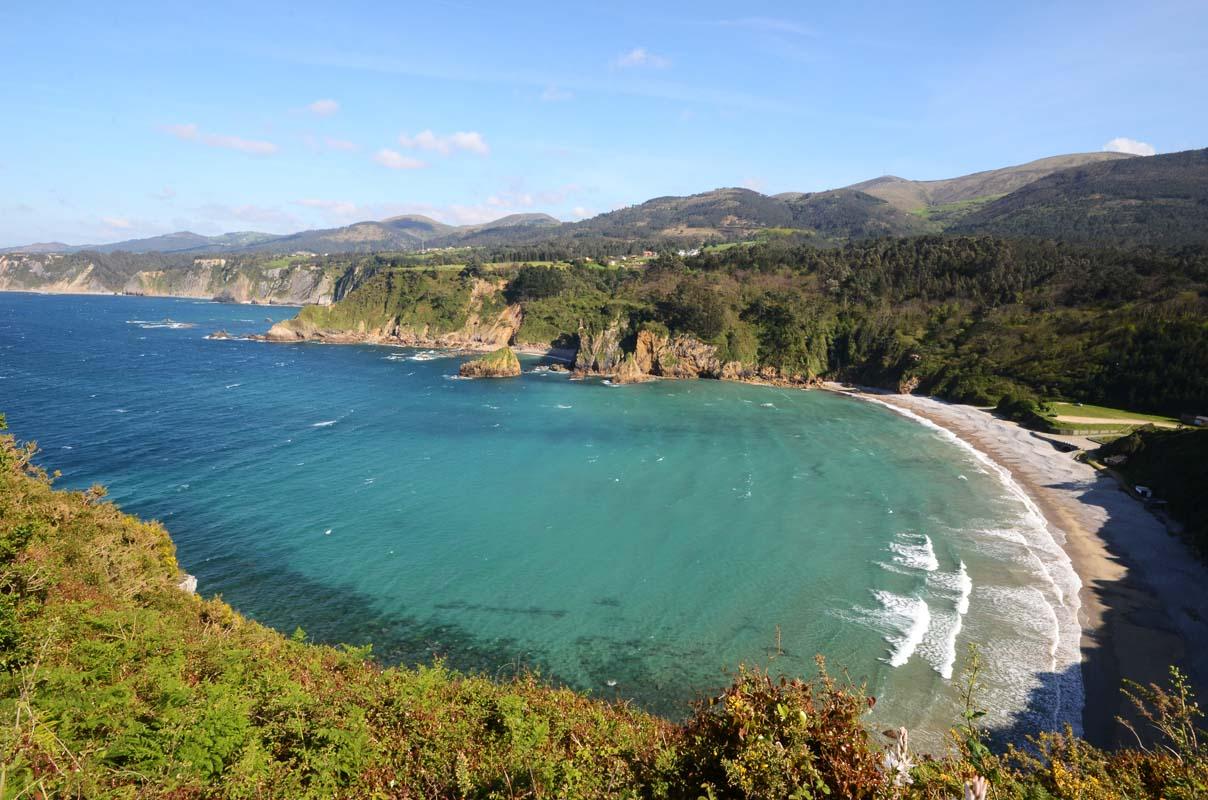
501, 363
629, 371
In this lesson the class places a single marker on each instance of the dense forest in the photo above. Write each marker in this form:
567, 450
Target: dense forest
967, 318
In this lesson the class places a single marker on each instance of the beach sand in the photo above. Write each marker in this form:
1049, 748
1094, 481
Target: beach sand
1144, 598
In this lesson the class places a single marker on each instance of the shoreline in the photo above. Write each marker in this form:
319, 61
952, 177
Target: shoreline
1142, 606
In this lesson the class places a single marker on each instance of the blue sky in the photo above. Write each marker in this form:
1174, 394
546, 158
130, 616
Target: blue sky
129, 119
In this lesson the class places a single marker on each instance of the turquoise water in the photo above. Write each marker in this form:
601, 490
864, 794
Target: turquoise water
635, 541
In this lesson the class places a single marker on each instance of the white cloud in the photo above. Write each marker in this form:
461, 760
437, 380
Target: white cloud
554, 94
1122, 144
754, 184
191, 133
580, 212
641, 57
324, 108
396, 160
188, 131
468, 141
121, 223
339, 144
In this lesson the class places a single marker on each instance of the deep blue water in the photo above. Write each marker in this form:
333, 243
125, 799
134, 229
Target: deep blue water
630, 541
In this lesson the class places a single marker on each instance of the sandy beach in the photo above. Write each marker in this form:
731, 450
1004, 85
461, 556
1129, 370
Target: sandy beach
1143, 599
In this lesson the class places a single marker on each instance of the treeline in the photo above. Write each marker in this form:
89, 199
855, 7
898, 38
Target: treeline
968, 318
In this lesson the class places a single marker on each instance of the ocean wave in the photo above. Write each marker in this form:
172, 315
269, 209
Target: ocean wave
146, 324
908, 618
1059, 583
327, 423
914, 550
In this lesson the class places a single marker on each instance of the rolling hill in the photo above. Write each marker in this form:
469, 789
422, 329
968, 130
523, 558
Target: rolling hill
1108, 197
1158, 200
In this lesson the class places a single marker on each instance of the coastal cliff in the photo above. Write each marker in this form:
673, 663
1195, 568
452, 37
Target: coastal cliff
216, 278
410, 310
444, 309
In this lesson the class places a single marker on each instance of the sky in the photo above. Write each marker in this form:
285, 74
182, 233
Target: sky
130, 119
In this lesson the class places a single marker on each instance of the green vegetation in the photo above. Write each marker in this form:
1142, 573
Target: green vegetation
1174, 464
114, 683
1060, 409
1160, 200
438, 300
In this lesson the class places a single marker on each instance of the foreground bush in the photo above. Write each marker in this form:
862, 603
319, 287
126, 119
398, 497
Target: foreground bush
115, 683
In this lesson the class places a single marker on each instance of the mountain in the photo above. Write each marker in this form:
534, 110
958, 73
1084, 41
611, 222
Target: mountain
726, 214
913, 196
1081, 197
1157, 200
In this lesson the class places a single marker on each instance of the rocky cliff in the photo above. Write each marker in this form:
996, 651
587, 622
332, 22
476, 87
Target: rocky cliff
476, 319
293, 284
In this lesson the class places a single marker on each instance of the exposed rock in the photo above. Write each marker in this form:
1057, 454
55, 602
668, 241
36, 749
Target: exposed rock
219, 335
599, 350
557, 367
675, 357
188, 584
908, 385
501, 363
629, 371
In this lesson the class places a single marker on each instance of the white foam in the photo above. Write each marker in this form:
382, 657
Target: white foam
563, 405
325, 423
914, 550
908, 618
1060, 583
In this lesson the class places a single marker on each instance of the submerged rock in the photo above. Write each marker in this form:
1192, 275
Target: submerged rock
501, 363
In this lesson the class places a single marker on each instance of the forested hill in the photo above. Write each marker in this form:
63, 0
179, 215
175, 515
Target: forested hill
968, 318
1158, 200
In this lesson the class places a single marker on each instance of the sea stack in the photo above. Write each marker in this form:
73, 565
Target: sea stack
501, 363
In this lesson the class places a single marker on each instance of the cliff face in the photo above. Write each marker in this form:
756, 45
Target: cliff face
475, 321
600, 350
296, 284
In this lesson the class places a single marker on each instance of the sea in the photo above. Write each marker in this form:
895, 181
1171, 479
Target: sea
637, 543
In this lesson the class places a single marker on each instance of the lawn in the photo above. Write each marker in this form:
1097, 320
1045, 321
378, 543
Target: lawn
1107, 414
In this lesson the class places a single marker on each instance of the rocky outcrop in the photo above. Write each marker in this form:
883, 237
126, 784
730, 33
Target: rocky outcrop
629, 371
676, 356
501, 363
600, 350
484, 328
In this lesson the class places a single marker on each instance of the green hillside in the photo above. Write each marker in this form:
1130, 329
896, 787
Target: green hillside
1158, 201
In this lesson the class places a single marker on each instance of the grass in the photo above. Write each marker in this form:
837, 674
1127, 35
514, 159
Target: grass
1061, 409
